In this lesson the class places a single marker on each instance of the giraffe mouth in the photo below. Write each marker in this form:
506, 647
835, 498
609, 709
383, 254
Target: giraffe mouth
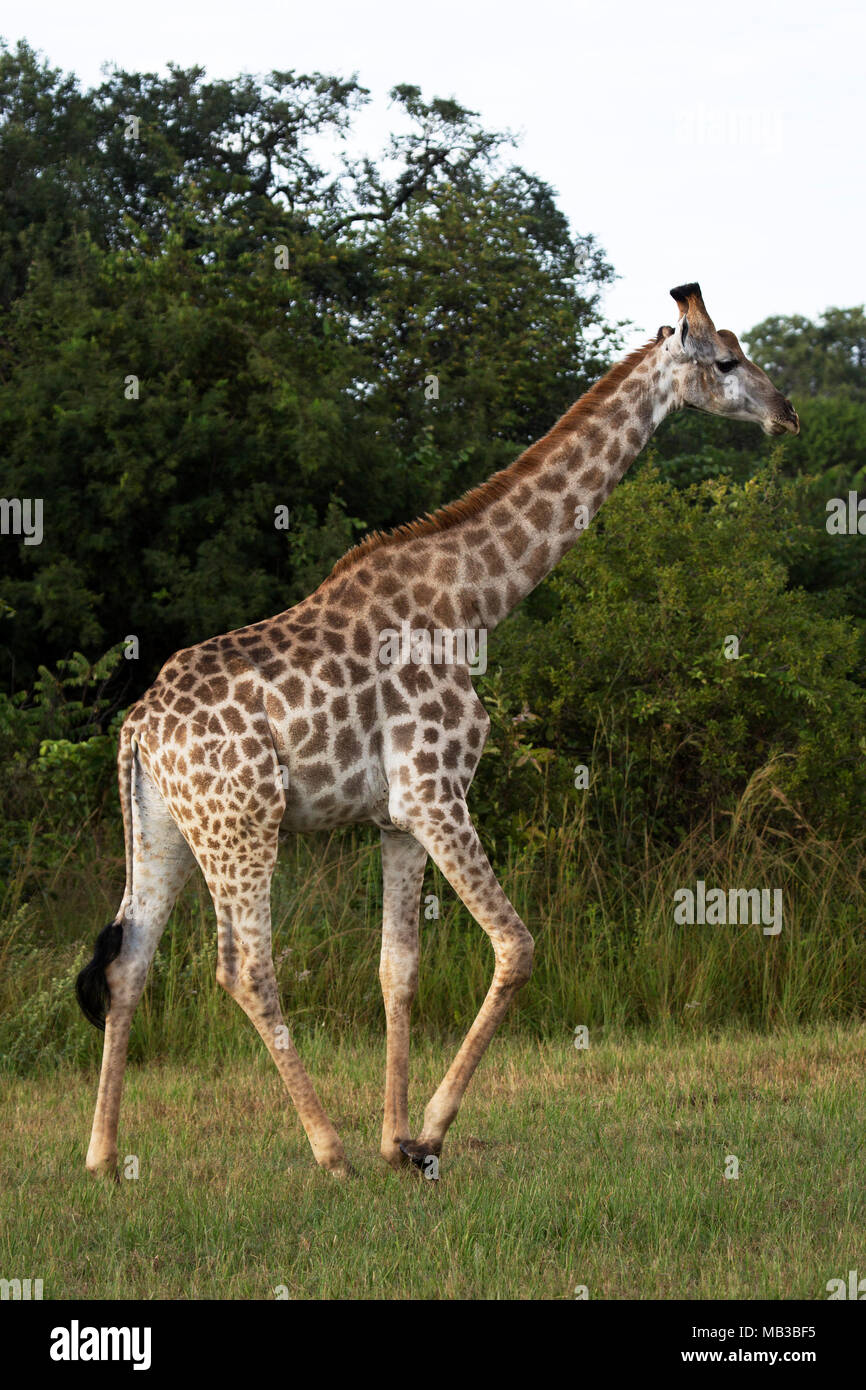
785, 419
778, 425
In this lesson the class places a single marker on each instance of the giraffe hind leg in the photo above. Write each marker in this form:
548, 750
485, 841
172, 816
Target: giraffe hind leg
114, 979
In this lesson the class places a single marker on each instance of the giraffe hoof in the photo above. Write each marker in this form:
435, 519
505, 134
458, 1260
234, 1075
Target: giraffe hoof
342, 1170
393, 1157
422, 1157
105, 1169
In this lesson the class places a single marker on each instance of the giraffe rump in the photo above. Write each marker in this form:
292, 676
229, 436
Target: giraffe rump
91, 987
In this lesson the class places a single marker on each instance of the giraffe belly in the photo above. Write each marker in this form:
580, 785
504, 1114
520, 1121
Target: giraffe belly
298, 819
328, 791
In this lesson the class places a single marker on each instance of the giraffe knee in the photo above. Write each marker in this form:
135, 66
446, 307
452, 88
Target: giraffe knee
401, 994
226, 978
517, 960
399, 979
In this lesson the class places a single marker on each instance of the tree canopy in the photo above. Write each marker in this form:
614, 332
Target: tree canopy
208, 311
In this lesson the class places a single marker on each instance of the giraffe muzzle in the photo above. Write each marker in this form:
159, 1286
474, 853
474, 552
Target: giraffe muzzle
786, 421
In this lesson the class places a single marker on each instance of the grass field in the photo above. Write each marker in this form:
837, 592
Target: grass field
601, 1167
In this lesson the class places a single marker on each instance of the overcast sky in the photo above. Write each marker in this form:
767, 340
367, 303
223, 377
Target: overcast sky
713, 142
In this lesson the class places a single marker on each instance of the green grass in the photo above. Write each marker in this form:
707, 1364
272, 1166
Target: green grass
602, 1167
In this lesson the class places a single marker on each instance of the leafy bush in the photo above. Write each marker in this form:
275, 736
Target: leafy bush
629, 673
58, 745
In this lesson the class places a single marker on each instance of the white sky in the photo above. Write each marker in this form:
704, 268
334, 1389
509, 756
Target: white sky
714, 142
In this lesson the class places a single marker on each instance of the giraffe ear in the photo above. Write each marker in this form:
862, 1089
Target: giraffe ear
685, 342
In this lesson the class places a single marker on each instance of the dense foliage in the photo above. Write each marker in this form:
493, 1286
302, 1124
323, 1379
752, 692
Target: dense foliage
355, 346
632, 672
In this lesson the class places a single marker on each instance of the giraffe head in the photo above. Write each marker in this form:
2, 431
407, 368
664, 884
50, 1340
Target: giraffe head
711, 372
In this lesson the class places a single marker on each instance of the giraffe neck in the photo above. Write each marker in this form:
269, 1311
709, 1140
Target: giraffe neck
533, 512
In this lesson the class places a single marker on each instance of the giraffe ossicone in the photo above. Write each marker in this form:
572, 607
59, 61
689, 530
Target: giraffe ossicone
296, 724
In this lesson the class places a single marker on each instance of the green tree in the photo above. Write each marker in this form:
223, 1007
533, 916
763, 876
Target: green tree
280, 322
73, 162
824, 357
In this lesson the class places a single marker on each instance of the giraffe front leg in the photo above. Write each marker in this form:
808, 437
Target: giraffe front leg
453, 844
403, 860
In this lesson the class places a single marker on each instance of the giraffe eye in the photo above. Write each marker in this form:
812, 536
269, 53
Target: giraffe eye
729, 365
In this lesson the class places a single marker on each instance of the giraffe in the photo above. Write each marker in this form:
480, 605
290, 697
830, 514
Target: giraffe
297, 723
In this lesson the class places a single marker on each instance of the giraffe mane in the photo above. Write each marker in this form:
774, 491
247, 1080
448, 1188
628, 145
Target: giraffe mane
480, 496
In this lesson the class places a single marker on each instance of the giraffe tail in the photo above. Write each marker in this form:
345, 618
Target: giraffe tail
91, 987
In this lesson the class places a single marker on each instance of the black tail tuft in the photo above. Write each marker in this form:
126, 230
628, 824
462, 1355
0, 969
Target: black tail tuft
91, 987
